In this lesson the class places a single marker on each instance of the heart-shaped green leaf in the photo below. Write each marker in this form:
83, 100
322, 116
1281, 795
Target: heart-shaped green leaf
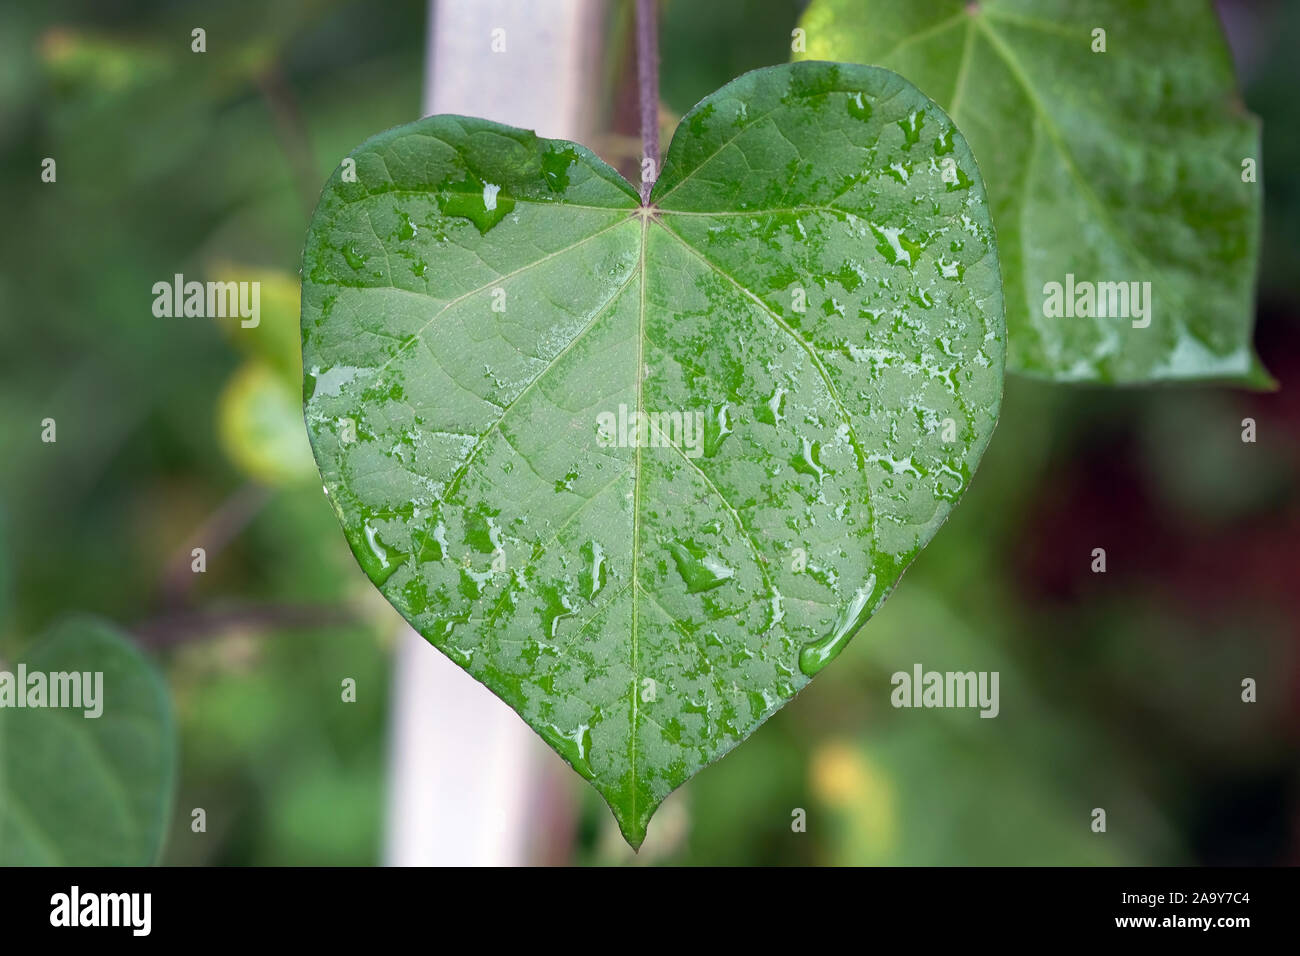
1116, 150
79, 787
806, 322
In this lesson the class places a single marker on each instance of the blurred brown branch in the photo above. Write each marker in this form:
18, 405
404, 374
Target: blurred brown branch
216, 532
177, 627
291, 130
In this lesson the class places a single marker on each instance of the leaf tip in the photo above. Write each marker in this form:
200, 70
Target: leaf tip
632, 829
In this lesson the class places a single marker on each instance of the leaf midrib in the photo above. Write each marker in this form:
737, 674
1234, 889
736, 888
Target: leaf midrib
636, 515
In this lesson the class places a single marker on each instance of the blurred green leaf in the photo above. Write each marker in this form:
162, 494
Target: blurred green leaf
260, 426
1117, 166
478, 304
276, 339
88, 791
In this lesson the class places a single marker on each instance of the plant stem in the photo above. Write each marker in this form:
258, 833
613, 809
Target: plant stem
291, 129
220, 528
647, 71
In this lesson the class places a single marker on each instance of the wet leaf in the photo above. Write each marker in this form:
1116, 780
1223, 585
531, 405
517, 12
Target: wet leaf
87, 791
807, 324
1122, 166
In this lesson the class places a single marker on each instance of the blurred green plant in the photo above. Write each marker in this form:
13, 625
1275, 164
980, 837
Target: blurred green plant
170, 161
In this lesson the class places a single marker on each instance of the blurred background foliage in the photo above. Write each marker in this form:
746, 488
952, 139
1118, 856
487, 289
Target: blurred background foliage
1119, 691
